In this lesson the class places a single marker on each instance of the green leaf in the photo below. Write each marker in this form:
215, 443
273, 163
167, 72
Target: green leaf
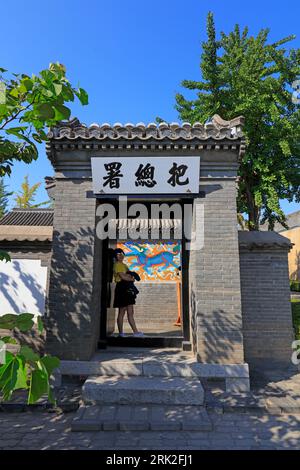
43, 134
8, 340
4, 256
3, 109
8, 357
61, 112
24, 321
28, 353
14, 92
67, 93
46, 92
22, 88
40, 324
28, 83
57, 88
11, 130
47, 75
83, 96
45, 111
37, 138
50, 363
22, 375
9, 376
39, 385
8, 321
40, 377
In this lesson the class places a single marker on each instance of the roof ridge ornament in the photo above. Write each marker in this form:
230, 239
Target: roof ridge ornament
235, 123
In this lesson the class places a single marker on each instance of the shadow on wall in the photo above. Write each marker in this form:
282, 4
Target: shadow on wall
12, 289
219, 336
16, 285
223, 340
74, 260
7, 282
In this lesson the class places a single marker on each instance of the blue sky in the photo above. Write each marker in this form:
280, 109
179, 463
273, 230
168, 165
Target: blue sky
129, 55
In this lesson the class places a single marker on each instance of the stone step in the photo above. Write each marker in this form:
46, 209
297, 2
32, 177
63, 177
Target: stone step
141, 418
135, 365
143, 390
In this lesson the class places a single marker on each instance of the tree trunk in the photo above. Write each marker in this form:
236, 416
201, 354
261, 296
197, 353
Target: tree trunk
253, 211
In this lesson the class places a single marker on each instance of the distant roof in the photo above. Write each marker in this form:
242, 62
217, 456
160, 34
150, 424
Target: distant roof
253, 239
36, 217
27, 225
293, 220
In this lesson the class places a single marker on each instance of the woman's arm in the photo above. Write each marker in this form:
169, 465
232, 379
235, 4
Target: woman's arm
126, 277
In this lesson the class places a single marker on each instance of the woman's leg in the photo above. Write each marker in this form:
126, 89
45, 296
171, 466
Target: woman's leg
131, 321
122, 311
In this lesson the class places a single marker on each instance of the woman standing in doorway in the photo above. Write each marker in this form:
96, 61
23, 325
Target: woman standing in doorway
124, 295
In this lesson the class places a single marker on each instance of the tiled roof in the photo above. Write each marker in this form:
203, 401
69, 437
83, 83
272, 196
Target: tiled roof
34, 217
293, 221
253, 239
27, 225
20, 233
216, 129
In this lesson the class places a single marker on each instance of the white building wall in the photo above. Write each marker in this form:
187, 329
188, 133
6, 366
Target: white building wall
22, 286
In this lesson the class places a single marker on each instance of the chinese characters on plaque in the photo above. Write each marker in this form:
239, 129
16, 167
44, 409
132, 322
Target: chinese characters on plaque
160, 175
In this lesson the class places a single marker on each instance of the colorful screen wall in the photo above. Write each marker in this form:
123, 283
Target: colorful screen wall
153, 261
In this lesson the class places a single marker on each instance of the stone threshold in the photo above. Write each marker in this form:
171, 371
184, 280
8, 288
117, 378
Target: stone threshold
155, 363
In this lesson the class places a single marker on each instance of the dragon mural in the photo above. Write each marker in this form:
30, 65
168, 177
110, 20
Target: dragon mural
153, 261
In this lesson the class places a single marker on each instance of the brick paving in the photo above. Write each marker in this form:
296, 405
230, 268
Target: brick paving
235, 424
45, 430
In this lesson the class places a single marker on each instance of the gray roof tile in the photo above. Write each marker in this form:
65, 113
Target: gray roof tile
33, 217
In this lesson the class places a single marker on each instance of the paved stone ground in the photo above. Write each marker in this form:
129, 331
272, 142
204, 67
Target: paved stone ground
44, 430
239, 422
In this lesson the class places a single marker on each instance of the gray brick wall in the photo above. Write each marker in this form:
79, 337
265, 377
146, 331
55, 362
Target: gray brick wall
215, 279
267, 318
73, 305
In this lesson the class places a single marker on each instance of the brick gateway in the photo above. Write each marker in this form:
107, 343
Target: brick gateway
237, 291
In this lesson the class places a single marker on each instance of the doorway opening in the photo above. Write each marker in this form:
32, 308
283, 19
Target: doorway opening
162, 306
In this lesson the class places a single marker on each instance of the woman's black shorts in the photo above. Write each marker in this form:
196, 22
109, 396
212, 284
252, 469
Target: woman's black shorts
123, 297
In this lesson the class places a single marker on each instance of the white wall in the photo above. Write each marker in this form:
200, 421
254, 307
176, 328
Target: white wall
22, 286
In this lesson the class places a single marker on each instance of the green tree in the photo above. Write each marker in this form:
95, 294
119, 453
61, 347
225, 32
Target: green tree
29, 104
26, 197
247, 75
4, 195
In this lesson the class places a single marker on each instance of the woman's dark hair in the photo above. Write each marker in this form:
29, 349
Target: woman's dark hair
117, 251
